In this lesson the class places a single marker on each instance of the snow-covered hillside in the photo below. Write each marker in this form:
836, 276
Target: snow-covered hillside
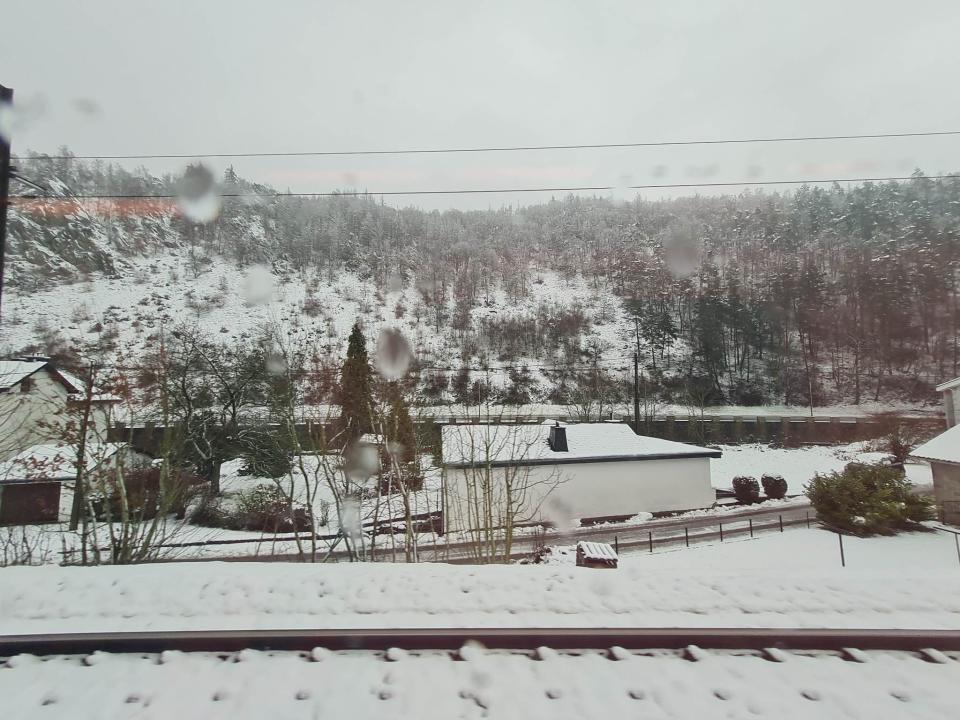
129, 309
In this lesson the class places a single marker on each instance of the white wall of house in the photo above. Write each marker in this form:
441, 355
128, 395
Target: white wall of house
39, 415
951, 404
597, 489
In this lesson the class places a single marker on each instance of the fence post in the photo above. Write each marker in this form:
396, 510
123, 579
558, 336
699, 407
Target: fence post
843, 560
956, 539
781, 523
750, 520
721, 532
808, 520
616, 544
650, 538
686, 535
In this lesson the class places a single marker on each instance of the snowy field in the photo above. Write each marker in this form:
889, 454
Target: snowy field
493, 684
799, 465
788, 580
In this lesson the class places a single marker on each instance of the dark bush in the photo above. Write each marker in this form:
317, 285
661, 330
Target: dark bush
267, 509
867, 499
746, 489
774, 486
747, 392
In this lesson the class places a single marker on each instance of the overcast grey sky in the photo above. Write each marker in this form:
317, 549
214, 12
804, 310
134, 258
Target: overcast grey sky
179, 76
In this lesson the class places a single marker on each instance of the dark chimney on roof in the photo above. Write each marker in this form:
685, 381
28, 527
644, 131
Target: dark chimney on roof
558, 438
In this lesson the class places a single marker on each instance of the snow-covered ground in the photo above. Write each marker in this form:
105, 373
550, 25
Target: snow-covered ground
799, 465
789, 580
492, 684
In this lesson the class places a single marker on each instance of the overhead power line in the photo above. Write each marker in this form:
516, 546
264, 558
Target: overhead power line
507, 148
581, 188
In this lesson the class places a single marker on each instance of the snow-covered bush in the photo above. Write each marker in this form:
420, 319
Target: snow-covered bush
867, 499
774, 486
265, 508
746, 489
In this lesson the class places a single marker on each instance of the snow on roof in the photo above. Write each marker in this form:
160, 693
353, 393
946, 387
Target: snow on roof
13, 371
79, 388
53, 462
466, 445
945, 447
596, 550
949, 385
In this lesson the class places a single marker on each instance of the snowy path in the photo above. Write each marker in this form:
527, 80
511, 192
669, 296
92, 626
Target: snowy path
782, 580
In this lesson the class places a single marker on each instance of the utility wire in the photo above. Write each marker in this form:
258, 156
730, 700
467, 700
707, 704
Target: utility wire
509, 148
582, 188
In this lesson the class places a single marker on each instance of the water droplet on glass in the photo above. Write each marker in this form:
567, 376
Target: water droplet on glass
360, 462
394, 282
197, 195
258, 285
16, 117
276, 364
8, 121
394, 354
681, 251
350, 518
559, 514
86, 106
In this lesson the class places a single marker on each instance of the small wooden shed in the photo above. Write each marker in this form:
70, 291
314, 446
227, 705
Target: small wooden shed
597, 555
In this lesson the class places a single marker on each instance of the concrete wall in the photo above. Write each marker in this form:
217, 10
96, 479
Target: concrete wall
38, 416
946, 491
585, 490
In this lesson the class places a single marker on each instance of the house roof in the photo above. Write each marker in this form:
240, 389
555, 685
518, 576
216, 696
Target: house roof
13, 371
474, 444
949, 385
945, 447
53, 462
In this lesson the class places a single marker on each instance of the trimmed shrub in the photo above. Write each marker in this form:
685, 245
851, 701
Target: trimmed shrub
267, 509
867, 499
746, 489
774, 486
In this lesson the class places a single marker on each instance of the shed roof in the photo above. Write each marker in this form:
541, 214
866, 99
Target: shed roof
949, 385
475, 444
945, 447
597, 550
53, 462
13, 371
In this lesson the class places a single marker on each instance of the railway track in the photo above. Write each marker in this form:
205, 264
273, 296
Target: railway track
910, 640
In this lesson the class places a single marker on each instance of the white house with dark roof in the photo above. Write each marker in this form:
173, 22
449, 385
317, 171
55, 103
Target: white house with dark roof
577, 471
37, 484
38, 400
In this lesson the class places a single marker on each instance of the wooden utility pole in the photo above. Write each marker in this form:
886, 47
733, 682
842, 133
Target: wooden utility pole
6, 98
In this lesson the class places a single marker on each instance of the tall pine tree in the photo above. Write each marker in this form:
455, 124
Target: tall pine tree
355, 395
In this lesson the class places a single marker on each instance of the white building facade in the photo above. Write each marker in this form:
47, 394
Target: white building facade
516, 474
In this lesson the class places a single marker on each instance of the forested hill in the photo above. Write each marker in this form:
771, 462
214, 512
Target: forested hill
837, 294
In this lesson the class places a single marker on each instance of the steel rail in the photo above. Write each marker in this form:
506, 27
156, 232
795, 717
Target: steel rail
451, 639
